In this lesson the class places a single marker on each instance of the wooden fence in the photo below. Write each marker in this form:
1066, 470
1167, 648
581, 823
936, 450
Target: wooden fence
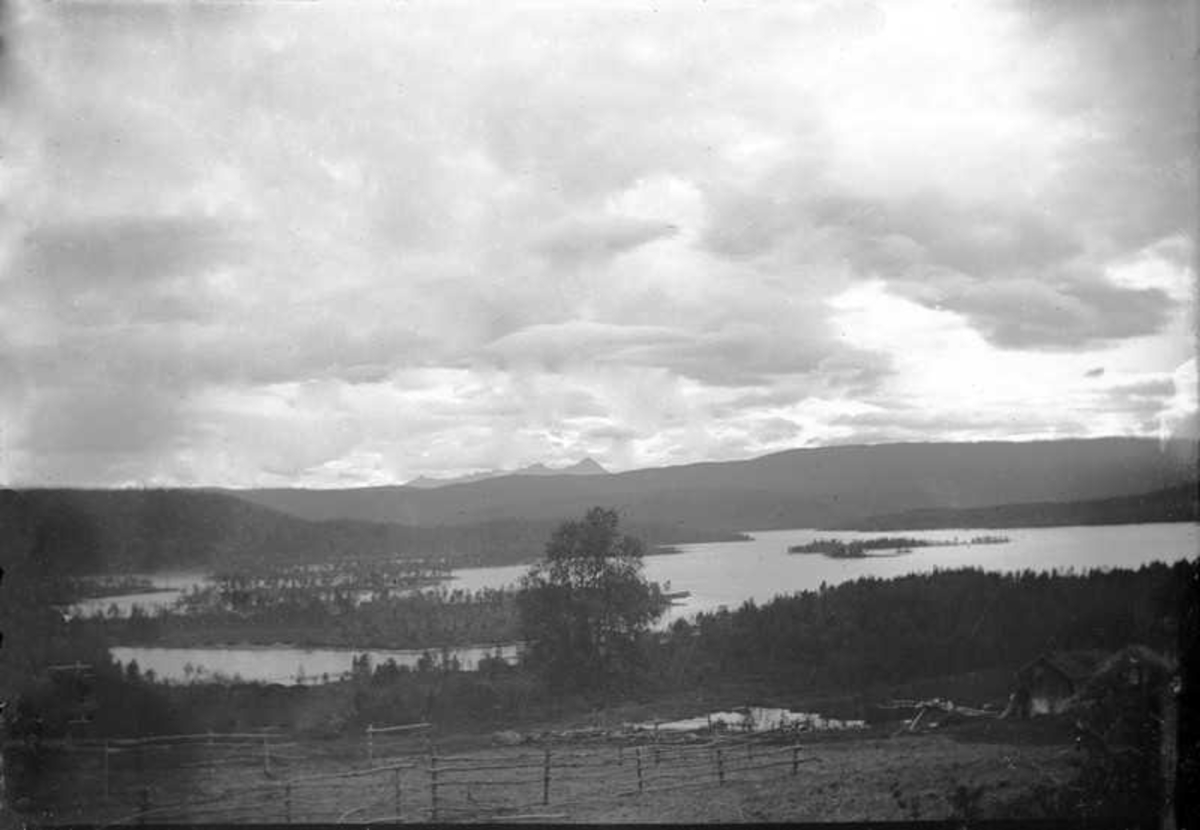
410, 780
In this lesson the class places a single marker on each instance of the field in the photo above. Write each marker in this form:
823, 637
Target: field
967, 770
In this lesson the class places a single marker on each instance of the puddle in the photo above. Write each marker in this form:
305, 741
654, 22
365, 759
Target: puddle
755, 719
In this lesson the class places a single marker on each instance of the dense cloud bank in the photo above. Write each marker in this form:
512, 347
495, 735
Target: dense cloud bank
255, 244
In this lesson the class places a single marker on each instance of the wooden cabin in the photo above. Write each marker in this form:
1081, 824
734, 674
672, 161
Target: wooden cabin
1046, 685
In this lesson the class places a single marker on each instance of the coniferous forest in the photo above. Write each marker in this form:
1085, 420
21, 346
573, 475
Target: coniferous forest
834, 641
925, 625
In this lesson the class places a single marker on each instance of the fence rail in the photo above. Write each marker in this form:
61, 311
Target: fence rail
498, 783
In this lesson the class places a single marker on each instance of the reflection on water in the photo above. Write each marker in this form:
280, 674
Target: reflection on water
271, 664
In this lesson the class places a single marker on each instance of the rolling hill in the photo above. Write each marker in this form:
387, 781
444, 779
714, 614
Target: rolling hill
93, 531
1173, 504
825, 487
507, 520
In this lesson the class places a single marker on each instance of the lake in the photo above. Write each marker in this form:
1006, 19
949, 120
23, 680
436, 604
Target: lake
272, 664
729, 573
170, 585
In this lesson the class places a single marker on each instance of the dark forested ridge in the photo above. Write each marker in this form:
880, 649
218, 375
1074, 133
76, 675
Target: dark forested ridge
823, 487
1173, 504
873, 631
92, 531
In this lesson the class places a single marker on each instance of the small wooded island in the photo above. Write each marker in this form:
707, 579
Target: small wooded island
858, 548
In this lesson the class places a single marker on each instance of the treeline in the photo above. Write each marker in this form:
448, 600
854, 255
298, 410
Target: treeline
338, 582
832, 642
873, 631
115, 531
857, 548
843, 548
424, 619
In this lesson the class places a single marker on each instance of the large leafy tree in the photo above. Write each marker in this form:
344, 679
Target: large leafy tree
586, 607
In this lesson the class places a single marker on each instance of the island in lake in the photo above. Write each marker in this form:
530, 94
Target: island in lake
858, 548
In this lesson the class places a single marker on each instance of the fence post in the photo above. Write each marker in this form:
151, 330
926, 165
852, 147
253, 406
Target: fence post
266, 755
106, 770
433, 786
370, 742
795, 760
720, 768
639, 768
287, 803
139, 760
396, 787
546, 778
144, 805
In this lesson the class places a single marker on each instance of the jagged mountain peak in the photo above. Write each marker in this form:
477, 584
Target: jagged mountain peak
587, 467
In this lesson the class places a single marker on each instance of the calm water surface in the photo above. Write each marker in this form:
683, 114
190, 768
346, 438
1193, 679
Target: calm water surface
171, 586
726, 573
729, 573
271, 664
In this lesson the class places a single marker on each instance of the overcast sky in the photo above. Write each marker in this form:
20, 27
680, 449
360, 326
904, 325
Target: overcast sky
338, 244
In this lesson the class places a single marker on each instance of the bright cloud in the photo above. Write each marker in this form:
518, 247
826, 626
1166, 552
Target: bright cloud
297, 243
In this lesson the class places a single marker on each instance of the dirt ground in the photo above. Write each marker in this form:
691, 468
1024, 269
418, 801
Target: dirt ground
910, 777
966, 770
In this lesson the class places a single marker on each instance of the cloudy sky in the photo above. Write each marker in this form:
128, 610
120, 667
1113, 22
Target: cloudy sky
333, 244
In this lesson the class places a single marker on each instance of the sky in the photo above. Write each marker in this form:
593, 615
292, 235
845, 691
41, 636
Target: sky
325, 245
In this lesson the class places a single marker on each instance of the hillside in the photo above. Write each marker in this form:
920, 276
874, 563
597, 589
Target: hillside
144, 530
825, 487
873, 651
1173, 504
507, 520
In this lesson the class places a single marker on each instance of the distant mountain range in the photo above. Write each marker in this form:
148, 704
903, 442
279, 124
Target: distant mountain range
507, 518
586, 467
825, 488
94, 531
1173, 504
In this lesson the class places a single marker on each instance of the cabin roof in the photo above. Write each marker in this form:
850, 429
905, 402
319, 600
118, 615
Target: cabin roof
1076, 666
1112, 672
1139, 654
1134, 655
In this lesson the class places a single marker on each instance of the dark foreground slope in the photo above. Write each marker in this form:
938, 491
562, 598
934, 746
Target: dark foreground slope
825, 487
838, 651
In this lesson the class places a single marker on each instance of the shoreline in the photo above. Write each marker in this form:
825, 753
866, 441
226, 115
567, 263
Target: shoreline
256, 647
